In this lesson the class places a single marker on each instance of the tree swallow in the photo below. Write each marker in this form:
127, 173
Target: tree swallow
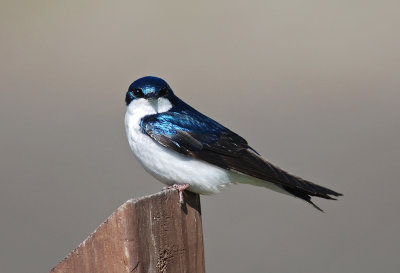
180, 146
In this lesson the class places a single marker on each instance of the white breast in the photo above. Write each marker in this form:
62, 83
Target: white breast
166, 165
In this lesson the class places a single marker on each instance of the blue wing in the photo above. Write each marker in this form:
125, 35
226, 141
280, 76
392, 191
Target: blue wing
188, 134
191, 133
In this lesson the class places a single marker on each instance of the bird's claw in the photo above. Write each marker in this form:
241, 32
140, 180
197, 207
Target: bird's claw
181, 188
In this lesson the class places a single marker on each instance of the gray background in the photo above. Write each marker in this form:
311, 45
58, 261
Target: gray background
312, 85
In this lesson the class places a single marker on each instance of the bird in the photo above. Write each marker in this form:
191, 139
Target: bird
187, 150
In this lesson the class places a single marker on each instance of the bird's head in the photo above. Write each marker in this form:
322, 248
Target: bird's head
149, 88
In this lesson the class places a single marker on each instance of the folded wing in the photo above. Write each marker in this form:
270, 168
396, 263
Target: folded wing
196, 135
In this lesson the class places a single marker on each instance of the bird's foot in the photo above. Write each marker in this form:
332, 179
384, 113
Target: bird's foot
181, 188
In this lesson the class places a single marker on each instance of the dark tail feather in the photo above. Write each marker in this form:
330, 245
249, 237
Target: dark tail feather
250, 163
302, 195
321, 191
298, 184
306, 195
262, 169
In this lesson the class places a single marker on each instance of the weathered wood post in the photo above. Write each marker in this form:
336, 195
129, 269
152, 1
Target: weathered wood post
151, 234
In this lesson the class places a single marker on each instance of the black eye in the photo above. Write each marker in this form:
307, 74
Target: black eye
163, 91
138, 93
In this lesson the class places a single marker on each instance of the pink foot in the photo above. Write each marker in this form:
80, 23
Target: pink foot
181, 188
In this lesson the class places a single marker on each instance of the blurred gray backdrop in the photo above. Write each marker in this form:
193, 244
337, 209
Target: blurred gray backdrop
312, 85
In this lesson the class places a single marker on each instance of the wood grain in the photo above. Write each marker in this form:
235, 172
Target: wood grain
153, 234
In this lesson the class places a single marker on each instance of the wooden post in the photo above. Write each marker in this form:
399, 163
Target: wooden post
152, 234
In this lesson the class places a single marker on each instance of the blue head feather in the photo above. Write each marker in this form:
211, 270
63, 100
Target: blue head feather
148, 88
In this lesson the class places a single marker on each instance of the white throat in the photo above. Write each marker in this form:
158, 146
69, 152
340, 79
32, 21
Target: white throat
145, 107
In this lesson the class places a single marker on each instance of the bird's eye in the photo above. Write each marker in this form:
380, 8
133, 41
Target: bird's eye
163, 91
138, 93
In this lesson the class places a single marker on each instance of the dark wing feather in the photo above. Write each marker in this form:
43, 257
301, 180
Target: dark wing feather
203, 138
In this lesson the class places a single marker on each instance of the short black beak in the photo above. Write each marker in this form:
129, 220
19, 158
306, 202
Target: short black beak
151, 96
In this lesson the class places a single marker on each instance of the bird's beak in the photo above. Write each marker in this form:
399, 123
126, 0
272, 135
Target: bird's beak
153, 101
151, 96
